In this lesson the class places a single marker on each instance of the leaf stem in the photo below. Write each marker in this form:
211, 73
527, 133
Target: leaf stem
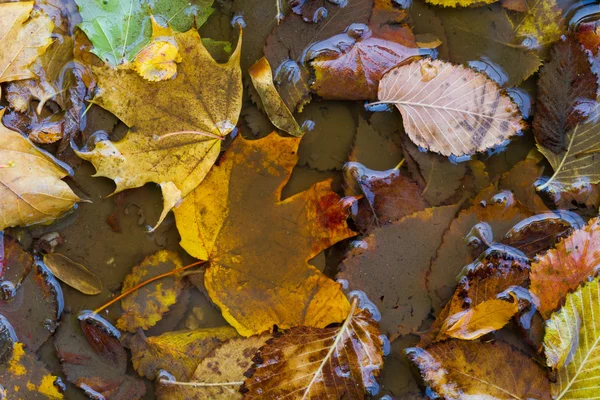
127, 293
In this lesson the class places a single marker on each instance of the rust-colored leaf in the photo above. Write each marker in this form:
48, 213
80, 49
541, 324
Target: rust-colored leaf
588, 34
463, 369
315, 363
564, 268
521, 181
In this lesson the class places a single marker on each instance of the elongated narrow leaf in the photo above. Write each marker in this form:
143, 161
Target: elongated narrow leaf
450, 109
572, 344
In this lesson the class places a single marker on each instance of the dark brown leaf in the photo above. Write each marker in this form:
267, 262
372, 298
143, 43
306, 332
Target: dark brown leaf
521, 181
373, 148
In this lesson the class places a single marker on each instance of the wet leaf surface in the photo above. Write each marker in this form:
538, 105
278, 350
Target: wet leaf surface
521, 180
73, 274
182, 15
450, 109
390, 266
539, 24
375, 149
456, 369
147, 305
93, 358
563, 268
314, 362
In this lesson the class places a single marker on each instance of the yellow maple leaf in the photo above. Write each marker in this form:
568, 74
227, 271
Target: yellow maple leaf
22, 41
258, 245
158, 60
176, 126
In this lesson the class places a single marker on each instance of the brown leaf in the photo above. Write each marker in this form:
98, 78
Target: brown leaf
566, 88
583, 196
521, 181
588, 34
373, 148
463, 369
93, 358
73, 274
314, 363
446, 118
390, 265
387, 196
564, 268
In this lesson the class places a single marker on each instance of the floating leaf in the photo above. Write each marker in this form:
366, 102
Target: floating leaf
312, 363
147, 305
390, 266
462, 369
279, 114
182, 15
158, 60
566, 88
540, 23
564, 268
588, 35
73, 274
449, 118
22, 39
215, 224
571, 344
94, 360
24, 377
170, 142
178, 352
32, 191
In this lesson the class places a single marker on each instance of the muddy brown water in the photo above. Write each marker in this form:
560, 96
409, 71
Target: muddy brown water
89, 239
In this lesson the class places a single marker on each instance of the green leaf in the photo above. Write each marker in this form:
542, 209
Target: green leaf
572, 344
181, 14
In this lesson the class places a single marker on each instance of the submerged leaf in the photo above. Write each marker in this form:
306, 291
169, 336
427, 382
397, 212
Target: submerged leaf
73, 274
32, 191
147, 305
22, 39
312, 363
459, 3
462, 369
215, 225
540, 24
571, 344
182, 15
450, 109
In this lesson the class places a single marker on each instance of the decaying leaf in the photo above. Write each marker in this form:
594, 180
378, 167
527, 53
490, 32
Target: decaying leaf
147, 305
178, 353
22, 39
459, 3
387, 196
182, 15
158, 60
24, 377
175, 138
390, 265
450, 109
571, 344
279, 114
373, 148
215, 225
540, 24
566, 88
33, 300
32, 191
588, 34
565, 267
315, 363
226, 363
463, 369
94, 360
520, 180
73, 274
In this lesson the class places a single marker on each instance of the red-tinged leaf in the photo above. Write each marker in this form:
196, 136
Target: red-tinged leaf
390, 265
588, 34
563, 269
387, 196
566, 88
580, 197
462, 369
94, 360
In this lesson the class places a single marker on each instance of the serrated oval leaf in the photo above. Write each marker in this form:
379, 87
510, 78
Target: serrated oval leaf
449, 108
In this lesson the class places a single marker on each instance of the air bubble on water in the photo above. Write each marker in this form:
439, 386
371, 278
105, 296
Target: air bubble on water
164, 376
320, 14
343, 283
91, 393
307, 126
365, 303
60, 384
387, 347
359, 244
340, 3
238, 20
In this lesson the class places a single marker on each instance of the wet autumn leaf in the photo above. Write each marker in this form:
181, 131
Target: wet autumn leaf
588, 34
520, 180
73, 274
310, 362
24, 377
175, 138
215, 225
585, 196
226, 363
22, 39
571, 344
33, 300
178, 353
373, 148
463, 369
279, 114
390, 265
540, 24
32, 191
565, 267
566, 88
94, 360
459, 3
387, 196
446, 118
182, 15
147, 305
158, 60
